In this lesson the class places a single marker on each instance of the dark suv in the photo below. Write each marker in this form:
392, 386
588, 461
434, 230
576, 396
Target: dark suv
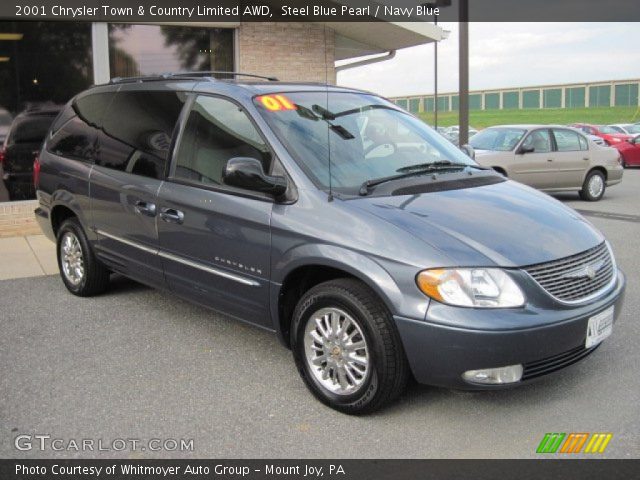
21, 147
373, 247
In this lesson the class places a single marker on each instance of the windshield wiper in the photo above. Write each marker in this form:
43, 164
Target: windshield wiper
439, 164
414, 170
366, 185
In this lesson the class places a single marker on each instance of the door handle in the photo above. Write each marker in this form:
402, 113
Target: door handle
145, 208
171, 215
549, 159
586, 159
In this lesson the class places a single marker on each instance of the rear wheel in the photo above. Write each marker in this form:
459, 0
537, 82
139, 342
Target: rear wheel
593, 187
81, 272
346, 347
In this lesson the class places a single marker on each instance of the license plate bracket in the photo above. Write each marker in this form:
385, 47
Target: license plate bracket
599, 327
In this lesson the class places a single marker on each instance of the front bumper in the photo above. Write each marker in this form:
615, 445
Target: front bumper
440, 353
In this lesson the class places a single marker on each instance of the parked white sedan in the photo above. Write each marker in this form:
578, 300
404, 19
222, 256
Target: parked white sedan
550, 158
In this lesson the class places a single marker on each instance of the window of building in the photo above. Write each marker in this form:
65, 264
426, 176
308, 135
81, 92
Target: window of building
455, 102
443, 104
600, 96
402, 103
574, 97
475, 101
414, 105
531, 99
510, 100
552, 98
137, 131
43, 65
136, 50
216, 131
626, 94
491, 101
429, 104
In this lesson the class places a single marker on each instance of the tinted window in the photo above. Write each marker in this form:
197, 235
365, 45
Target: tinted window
30, 129
67, 114
567, 141
539, 140
75, 139
92, 108
137, 131
216, 131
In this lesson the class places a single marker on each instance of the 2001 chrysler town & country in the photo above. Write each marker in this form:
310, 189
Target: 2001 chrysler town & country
374, 248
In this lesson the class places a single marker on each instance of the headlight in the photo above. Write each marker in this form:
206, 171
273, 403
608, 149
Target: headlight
471, 287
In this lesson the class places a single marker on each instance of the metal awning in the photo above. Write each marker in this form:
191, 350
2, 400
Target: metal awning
357, 39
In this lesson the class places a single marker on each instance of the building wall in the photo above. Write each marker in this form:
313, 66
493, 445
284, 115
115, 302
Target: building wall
289, 51
615, 93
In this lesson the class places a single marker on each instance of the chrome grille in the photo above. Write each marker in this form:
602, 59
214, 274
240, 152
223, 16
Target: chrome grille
577, 277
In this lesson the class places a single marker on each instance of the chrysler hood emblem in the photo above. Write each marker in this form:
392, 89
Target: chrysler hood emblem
589, 271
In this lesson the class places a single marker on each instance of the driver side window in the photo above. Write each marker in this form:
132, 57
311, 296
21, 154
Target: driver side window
217, 130
540, 140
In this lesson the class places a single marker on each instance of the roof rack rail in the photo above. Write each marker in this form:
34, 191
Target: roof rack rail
186, 75
213, 73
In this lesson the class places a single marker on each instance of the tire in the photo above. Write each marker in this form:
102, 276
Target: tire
589, 191
94, 278
624, 162
361, 315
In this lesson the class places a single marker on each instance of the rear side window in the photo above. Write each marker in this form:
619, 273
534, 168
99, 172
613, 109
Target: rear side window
74, 139
217, 130
567, 141
137, 131
67, 114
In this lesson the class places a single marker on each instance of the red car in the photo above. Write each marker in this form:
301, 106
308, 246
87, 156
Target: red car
630, 152
610, 136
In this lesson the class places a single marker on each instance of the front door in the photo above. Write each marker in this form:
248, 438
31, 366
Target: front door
214, 239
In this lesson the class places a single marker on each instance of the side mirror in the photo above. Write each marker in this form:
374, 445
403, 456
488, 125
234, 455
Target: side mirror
469, 151
248, 173
526, 150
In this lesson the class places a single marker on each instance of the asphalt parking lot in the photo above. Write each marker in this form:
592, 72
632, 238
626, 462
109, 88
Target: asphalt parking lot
136, 363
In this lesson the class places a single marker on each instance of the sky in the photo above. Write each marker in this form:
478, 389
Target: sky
504, 55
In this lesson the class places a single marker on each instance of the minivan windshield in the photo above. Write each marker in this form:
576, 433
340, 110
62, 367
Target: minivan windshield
497, 139
358, 137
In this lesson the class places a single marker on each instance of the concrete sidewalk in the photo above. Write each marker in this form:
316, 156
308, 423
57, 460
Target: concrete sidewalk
27, 256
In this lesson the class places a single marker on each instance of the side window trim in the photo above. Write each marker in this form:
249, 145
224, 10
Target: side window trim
178, 131
172, 164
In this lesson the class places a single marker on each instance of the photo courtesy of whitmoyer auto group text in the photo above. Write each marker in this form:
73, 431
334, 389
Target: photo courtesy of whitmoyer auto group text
338, 239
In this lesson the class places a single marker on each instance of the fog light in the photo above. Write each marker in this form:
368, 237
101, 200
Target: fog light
510, 374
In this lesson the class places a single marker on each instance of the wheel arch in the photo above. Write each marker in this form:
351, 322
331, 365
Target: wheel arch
316, 264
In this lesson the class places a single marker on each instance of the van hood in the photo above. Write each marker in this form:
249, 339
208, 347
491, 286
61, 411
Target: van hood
506, 224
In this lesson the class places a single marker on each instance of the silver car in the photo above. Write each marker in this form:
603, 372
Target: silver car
550, 158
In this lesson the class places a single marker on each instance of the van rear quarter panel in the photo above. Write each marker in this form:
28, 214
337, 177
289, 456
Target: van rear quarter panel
66, 182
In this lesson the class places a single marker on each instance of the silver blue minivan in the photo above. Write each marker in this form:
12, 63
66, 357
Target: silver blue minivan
373, 248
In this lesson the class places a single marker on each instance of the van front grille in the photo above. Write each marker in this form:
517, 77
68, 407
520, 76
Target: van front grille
572, 279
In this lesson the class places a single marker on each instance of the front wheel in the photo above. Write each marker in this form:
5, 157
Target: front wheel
346, 347
593, 187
